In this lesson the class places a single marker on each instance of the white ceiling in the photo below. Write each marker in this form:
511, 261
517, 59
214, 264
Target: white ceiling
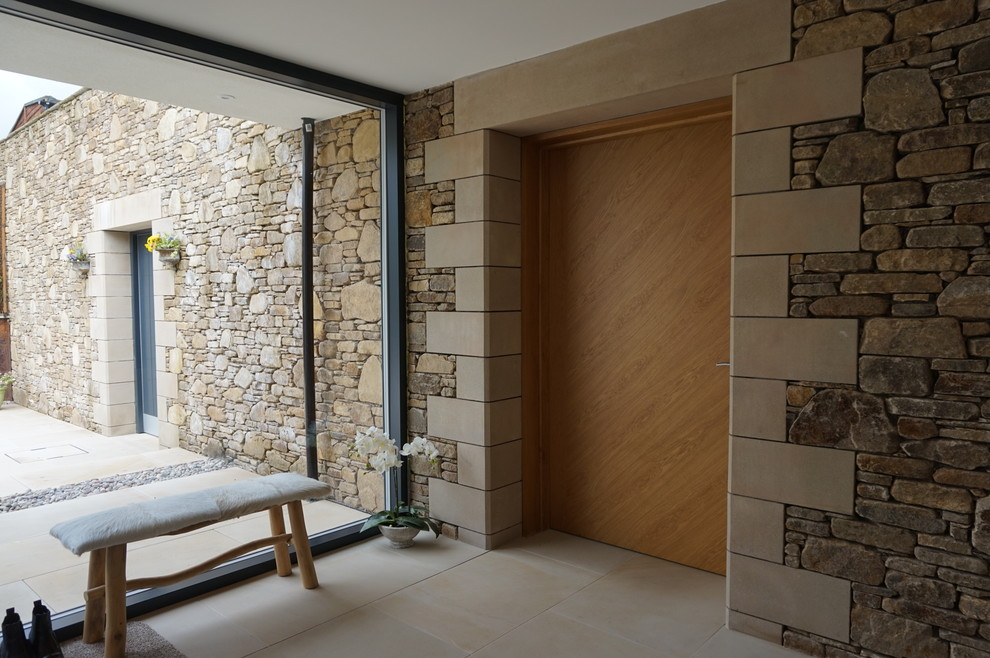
400, 45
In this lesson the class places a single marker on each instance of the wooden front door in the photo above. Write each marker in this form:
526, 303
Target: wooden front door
633, 301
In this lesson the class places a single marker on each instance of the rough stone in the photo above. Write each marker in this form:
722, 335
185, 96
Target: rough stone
843, 559
346, 186
966, 434
899, 194
922, 590
932, 495
932, 17
849, 306
919, 519
244, 281
966, 297
865, 284
975, 190
951, 560
979, 109
895, 375
422, 126
370, 385
816, 11
961, 454
838, 262
893, 635
944, 137
981, 525
906, 215
369, 248
967, 84
899, 466
872, 534
434, 363
917, 428
958, 478
963, 383
259, 159
974, 607
934, 337
865, 28
902, 99
931, 615
362, 301
933, 408
845, 419
366, 142
419, 209
946, 236
923, 260
897, 52
881, 238
936, 162
292, 248
863, 157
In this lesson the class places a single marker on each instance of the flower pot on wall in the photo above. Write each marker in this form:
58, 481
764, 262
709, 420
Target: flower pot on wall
82, 267
168, 255
399, 536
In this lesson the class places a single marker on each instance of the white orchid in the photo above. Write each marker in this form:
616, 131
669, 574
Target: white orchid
421, 446
382, 454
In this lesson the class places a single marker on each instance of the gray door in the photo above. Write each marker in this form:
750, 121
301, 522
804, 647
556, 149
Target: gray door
142, 294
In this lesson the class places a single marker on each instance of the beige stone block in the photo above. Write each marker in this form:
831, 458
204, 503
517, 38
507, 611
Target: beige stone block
488, 289
760, 286
113, 307
158, 304
115, 350
761, 161
113, 414
114, 372
473, 154
474, 334
689, 58
478, 423
754, 626
113, 263
111, 328
797, 598
758, 408
489, 379
113, 394
168, 435
819, 478
108, 242
487, 198
485, 512
805, 91
473, 244
128, 213
120, 430
803, 221
756, 528
168, 384
489, 468
109, 285
165, 334
488, 542
817, 350
163, 281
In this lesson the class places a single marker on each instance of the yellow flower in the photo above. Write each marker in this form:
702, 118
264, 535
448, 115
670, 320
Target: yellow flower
152, 242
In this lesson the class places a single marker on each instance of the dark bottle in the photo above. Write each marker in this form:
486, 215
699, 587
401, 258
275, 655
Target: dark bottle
42, 638
14, 643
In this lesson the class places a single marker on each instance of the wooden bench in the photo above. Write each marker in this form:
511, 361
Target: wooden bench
105, 536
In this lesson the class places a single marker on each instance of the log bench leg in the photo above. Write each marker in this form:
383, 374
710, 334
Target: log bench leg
116, 601
95, 618
300, 539
276, 520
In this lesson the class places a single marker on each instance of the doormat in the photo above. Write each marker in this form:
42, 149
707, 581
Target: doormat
38, 497
142, 642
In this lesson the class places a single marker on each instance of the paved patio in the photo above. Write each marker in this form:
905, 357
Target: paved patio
38, 452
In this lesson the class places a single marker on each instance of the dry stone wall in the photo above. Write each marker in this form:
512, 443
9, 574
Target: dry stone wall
231, 190
429, 116
917, 549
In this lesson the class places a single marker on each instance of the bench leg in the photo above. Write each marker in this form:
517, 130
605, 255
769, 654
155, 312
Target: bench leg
300, 539
95, 619
116, 601
277, 522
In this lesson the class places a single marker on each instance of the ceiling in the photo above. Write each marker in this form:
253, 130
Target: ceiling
399, 45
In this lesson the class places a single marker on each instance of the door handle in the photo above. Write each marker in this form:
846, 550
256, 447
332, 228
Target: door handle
723, 364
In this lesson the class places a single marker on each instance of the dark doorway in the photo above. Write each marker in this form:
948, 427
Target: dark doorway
143, 302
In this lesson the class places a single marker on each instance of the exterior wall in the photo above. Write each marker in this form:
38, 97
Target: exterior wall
228, 315
859, 393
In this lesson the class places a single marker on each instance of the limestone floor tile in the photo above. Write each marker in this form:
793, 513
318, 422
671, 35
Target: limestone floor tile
433, 553
364, 632
194, 482
474, 603
729, 644
320, 515
549, 634
29, 557
177, 553
580, 552
199, 631
62, 589
9, 486
18, 595
69, 470
662, 605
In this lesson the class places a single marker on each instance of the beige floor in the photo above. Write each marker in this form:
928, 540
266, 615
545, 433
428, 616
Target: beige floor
38, 452
549, 595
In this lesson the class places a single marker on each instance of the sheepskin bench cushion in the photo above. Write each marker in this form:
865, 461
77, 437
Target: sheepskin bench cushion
105, 536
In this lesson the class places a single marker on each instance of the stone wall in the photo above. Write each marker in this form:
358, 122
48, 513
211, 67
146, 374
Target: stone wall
230, 189
917, 548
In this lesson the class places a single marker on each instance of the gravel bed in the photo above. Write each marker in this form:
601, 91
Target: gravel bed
36, 498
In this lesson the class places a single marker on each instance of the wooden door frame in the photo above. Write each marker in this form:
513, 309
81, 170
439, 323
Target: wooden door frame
534, 212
